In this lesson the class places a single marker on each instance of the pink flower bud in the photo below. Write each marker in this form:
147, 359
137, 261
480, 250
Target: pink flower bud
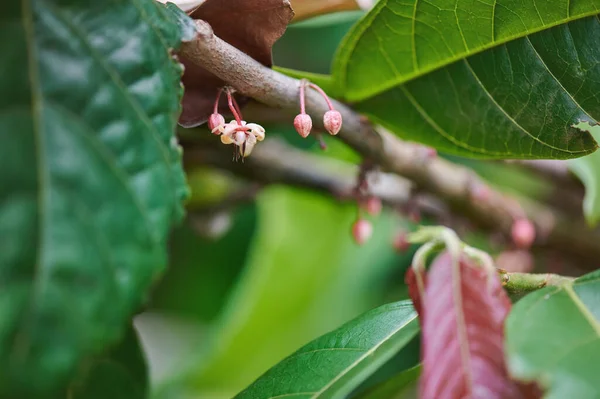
332, 120
400, 242
303, 124
481, 192
214, 121
523, 233
373, 206
362, 231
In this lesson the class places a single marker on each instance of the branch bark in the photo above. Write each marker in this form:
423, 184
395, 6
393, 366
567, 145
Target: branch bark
275, 162
453, 184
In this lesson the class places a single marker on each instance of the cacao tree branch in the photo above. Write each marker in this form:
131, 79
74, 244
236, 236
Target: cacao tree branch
275, 162
451, 183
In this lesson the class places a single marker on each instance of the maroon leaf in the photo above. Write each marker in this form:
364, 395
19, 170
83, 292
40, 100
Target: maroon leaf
463, 333
253, 26
414, 291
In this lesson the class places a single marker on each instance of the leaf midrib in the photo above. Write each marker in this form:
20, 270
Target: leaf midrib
589, 317
21, 340
341, 62
361, 358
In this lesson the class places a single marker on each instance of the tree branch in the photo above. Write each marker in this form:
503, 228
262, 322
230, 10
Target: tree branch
453, 184
275, 162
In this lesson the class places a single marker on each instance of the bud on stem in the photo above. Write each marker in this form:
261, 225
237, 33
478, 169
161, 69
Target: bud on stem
362, 230
523, 233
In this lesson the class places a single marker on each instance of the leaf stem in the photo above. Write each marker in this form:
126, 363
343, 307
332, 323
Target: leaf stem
521, 284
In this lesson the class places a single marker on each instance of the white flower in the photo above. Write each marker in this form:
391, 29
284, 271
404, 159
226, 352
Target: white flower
257, 131
245, 139
239, 138
226, 139
227, 132
249, 145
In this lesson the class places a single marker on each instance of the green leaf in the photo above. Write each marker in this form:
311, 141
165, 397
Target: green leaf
401, 386
336, 363
518, 100
399, 40
553, 337
91, 178
199, 293
120, 374
304, 276
175, 16
588, 170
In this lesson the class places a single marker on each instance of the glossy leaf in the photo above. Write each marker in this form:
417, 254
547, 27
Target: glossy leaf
553, 337
288, 295
463, 332
401, 386
252, 26
336, 363
91, 177
518, 100
121, 373
588, 170
404, 39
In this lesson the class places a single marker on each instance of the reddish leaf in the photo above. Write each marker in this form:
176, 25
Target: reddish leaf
463, 333
413, 289
253, 26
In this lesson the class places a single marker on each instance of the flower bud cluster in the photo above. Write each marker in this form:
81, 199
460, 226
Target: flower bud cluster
332, 120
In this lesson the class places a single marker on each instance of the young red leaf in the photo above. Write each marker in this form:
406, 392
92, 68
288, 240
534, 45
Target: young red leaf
463, 333
415, 293
252, 26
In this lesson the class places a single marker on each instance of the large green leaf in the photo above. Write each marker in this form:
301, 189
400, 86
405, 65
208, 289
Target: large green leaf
553, 337
202, 271
91, 177
303, 277
588, 170
517, 100
121, 373
401, 386
336, 363
404, 39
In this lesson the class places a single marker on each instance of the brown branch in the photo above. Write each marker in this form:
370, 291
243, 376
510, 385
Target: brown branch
275, 162
451, 183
